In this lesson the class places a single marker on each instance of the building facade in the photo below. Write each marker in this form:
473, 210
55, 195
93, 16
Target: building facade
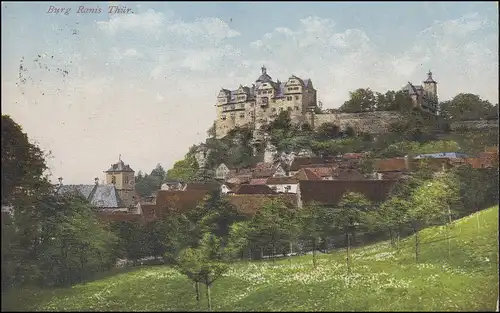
122, 177
424, 96
261, 103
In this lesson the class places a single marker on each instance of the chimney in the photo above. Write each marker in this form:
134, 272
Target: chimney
60, 181
96, 180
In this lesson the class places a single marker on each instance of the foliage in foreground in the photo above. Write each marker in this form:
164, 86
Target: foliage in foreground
381, 279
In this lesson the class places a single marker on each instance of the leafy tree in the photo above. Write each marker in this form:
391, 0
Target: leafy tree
74, 244
316, 222
24, 185
218, 215
203, 264
239, 240
327, 131
133, 240
183, 170
427, 203
350, 214
466, 106
361, 100
392, 217
269, 224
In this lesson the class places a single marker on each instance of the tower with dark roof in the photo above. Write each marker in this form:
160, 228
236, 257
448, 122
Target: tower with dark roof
123, 178
430, 85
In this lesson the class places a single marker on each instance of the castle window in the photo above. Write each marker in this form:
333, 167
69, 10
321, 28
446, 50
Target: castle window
113, 179
242, 106
297, 97
274, 109
289, 108
259, 92
125, 180
289, 98
223, 117
296, 108
242, 115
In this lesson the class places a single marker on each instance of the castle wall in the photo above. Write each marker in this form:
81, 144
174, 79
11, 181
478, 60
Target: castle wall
369, 122
476, 124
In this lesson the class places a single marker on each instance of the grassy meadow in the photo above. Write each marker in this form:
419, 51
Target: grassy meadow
459, 274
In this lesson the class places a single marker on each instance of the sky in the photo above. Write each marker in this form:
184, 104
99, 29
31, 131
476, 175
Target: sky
90, 86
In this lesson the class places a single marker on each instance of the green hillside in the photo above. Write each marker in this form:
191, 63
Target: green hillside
381, 280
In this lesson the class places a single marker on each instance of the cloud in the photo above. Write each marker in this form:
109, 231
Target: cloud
148, 21
149, 100
341, 60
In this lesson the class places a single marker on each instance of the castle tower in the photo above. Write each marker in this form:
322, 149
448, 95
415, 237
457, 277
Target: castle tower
122, 176
430, 85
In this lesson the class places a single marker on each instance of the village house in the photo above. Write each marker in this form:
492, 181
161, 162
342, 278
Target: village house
253, 190
300, 162
118, 194
289, 184
330, 192
172, 185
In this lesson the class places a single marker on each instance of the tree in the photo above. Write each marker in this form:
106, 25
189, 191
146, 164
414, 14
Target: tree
392, 217
351, 213
218, 215
361, 100
183, 170
133, 239
269, 224
24, 185
316, 223
427, 203
327, 131
466, 106
203, 264
74, 244
239, 240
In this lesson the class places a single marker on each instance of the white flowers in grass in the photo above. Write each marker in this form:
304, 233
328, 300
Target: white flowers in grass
422, 266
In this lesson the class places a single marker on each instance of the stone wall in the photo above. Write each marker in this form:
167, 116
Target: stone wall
477, 124
369, 122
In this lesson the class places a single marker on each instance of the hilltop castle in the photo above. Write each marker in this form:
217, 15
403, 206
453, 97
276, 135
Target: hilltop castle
261, 103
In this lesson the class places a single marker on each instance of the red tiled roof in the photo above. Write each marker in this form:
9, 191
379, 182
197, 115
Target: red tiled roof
329, 192
321, 171
390, 165
202, 186
286, 180
264, 170
240, 179
253, 189
347, 174
250, 204
353, 155
258, 181
306, 174
299, 162
176, 200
